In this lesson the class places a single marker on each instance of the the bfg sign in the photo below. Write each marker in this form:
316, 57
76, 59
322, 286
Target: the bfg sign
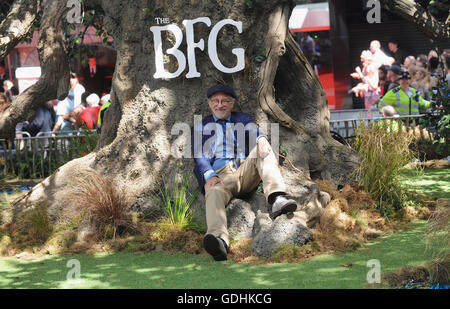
161, 72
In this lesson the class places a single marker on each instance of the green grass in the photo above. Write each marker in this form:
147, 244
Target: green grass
432, 182
161, 270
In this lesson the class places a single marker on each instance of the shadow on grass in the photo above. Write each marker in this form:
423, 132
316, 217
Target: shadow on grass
432, 182
161, 270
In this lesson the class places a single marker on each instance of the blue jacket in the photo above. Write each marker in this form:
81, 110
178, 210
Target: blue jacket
204, 160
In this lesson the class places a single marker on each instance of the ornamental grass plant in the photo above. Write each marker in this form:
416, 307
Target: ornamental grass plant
438, 233
105, 204
384, 153
175, 200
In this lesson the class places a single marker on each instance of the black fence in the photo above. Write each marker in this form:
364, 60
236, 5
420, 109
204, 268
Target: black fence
39, 156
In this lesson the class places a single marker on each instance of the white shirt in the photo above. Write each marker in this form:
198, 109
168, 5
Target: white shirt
78, 91
380, 58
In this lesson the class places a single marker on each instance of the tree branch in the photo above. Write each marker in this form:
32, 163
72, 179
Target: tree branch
17, 24
54, 80
276, 36
415, 13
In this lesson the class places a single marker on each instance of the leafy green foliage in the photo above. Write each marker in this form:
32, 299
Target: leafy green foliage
176, 201
438, 121
75, 35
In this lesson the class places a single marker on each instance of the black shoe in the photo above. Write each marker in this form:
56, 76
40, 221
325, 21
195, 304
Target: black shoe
282, 205
216, 247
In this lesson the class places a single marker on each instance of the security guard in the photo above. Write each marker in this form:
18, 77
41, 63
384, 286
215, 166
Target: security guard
102, 112
404, 98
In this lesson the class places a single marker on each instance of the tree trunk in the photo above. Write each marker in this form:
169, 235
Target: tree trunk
54, 81
136, 141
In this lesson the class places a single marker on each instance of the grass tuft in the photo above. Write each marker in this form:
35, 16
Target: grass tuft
104, 203
384, 153
438, 233
176, 202
39, 223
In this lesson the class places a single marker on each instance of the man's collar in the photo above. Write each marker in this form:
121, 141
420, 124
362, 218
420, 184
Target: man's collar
228, 119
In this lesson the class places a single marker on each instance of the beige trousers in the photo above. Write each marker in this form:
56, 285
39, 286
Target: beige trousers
240, 182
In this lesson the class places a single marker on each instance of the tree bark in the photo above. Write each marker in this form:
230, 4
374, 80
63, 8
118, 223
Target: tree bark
137, 140
54, 80
17, 24
415, 13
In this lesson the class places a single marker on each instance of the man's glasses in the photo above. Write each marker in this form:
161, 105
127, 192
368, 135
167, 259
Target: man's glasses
224, 102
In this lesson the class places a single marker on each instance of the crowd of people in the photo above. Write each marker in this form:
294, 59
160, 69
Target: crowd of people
79, 110
397, 79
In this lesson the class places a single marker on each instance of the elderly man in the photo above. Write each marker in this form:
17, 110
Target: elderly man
409, 62
227, 166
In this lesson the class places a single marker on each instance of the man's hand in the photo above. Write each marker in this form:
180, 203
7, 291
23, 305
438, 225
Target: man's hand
212, 182
263, 148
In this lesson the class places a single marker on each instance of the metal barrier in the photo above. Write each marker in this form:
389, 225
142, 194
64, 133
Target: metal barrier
347, 128
41, 155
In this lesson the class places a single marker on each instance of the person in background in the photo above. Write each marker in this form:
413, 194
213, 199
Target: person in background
421, 81
88, 118
404, 98
397, 53
388, 111
409, 62
394, 72
382, 79
369, 80
390, 124
379, 57
433, 70
433, 64
11, 91
422, 61
432, 54
77, 89
72, 115
447, 68
308, 46
3, 76
101, 115
64, 107
105, 98
43, 122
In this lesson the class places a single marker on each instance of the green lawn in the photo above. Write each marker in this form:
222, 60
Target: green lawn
433, 182
160, 270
